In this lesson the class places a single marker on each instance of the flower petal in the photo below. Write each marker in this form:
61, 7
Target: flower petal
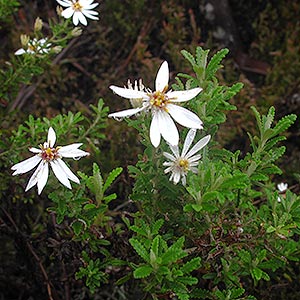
68, 13
34, 178
181, 96
51, 137
198, 146
89, 14
188, 141
162, 77
41, 175
126, 113
26, 165
60, 173
154, 131
35, 150
129, 93
68, 172
81, 17
75, 19
72, 151
169, 156
20, 51
184, 117
168, 128
64, 3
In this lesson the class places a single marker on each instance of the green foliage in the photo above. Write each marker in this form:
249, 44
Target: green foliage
163, 265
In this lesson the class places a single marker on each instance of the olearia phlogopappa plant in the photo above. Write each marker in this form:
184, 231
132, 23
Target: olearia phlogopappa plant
208, 223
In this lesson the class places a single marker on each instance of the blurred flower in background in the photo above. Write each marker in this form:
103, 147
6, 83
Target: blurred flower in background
80, 10
34, 46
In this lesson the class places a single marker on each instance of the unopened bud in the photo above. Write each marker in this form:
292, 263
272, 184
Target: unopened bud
59, 10
57, 49
38, 24
77, 31
24, 40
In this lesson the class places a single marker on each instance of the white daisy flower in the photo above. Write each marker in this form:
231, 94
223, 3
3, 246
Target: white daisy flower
35, 47
179, 165
282, 187
162, 104
46, 155
80, 10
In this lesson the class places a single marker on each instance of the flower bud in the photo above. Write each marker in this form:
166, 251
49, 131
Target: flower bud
24, 40
77, 31
57, 49
59, 10
38, 24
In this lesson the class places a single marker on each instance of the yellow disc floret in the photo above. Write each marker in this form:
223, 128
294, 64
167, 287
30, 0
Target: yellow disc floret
159, 99
49, 154
77, 6
183, 164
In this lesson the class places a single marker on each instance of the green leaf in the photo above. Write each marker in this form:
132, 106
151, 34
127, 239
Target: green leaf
256, 273
172, 255
142, 272
140, 249
191, 265
188, 56
77, 227
156, 226
214, 64
187, 280
111, 177
284, 123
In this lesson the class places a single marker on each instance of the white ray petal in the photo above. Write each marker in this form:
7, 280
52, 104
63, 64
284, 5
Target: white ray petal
188, 141
64, 3
184, 117
126, 113
167, 128
68, 172
60, 173
176, 177
35, 150
42, 176
194, 159
91, 6
198, 146
75, 19
34, 177
169, 156
181, 96
167, 170
26, 165
68, 12
81, 17
89, 15
162, 77
20, 51
154, 131
175, 150
71, 151
129, 93
51, 137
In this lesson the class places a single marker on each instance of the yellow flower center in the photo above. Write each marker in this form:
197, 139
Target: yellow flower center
77, 6
159, 99
32, 48
49, 154
184, 164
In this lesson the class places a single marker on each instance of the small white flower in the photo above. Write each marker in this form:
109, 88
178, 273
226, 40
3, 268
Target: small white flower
162, 104
35, 47
46, 155
179, 165
80, 10
282, 187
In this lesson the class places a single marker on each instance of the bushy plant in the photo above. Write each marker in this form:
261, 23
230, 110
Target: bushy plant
200, 221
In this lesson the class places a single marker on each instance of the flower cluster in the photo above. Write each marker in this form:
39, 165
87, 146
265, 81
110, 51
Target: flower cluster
35, 46
79, 10
163, 106
48, 155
